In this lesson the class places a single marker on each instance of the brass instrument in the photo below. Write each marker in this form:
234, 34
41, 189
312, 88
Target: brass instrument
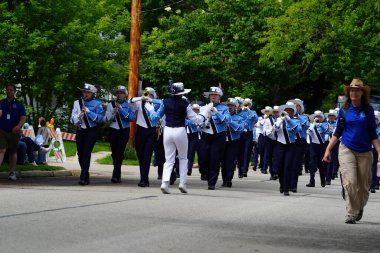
145, 93
245, 106
283, 114
317, 121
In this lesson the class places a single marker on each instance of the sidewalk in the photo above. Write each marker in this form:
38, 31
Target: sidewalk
72, 168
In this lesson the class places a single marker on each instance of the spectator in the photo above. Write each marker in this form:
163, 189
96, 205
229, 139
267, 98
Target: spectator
356, 125
12, 118
44, 132
31, 147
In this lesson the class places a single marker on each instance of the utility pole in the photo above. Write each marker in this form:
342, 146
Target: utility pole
134, 57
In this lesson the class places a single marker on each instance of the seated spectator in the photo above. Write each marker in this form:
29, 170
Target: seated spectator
31, 146
44, 132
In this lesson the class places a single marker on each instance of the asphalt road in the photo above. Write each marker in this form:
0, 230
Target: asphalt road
57, 215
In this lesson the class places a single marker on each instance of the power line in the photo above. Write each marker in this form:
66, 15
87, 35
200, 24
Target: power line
163, 7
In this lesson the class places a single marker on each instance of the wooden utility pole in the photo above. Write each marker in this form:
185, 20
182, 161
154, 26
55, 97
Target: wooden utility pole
134, 57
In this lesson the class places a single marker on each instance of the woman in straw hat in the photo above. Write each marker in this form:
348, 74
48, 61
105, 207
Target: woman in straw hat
357, 127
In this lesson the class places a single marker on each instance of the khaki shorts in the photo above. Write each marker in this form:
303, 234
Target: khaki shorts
9, 141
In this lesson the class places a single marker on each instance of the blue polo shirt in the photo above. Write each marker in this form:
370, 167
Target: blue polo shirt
359, 129
12, 111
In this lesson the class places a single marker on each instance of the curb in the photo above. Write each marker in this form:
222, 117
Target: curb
39, 173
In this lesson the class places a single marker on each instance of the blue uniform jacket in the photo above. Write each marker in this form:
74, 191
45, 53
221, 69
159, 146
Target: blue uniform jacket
158, 112
94, 115
304, 123
191, 125
235, 127
292, 128
221, 117
126, 112
250, 117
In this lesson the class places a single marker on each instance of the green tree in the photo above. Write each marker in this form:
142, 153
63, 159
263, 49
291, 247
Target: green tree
52, 47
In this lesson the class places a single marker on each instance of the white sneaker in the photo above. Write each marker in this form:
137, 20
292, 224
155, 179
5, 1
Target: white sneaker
34, 163
12, 176
165, 188
182, 188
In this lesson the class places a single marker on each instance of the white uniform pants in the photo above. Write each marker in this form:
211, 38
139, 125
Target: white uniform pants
175, 139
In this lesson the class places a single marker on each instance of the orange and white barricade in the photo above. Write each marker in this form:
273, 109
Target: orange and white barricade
69, 136
56, 145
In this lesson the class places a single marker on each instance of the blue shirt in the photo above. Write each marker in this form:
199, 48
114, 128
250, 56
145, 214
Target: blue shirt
12, 111
359, 129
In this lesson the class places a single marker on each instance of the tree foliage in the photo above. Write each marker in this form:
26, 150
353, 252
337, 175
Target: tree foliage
268, 50
53, 47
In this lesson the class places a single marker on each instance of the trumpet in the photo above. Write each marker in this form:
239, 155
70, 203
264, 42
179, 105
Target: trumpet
145, 93
283, 114
245, 106
317, 121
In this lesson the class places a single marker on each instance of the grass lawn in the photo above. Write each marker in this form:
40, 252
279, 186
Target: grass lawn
108, 161
28, 167
71, 148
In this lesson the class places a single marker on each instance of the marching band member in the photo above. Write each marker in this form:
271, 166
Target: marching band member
233, 131
193, 136
246, 138
274, 167
317, 131
267, 111
286, 128
334, 164
258, 162
118, 115
300, 141
213, 140
375, 178
270, 140
176, 109
87, 113
146, 134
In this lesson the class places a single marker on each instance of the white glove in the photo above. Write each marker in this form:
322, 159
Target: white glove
87, 110
148, 99
149, 107
287, 117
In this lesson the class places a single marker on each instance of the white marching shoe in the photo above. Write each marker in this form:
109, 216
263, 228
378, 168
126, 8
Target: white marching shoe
182, 188
165, 188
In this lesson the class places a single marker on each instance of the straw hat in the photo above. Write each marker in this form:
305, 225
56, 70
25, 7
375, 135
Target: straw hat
357, 83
